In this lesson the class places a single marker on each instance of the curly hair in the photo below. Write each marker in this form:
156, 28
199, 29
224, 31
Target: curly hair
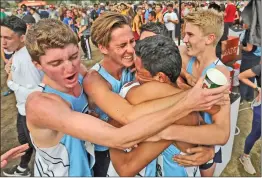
48, 34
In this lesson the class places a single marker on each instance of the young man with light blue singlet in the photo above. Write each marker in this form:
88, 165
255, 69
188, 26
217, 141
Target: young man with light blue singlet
59, 130
115, 40
60, 155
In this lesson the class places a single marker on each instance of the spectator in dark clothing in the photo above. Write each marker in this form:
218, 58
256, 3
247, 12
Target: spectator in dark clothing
94, 14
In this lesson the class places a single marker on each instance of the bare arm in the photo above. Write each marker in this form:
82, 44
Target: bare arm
243, 76
150, 91
129, 164
61, 118
212, 134
122, 111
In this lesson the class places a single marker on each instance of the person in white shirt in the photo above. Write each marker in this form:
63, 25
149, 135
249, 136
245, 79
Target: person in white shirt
35, 14
23, 79
170, 19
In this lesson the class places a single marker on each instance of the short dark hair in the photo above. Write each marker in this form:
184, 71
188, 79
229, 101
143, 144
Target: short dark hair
157, 28
160, 54
170, 5
15, 24
214, 6
160, 5
153, 13
29, 19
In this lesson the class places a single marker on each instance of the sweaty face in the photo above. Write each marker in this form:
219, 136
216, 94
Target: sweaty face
194, 39
10, 40
62, 65
121, 46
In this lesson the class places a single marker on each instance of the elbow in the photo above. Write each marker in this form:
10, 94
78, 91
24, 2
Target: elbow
240, 77
125, 171
224, 137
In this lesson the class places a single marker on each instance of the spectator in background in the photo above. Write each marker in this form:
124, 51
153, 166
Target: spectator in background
43, 12
94, 14
229, 16
170, 19
159, 15
29, 20
13, 153
124, 9
52, 12
137, 23
250, 57
2, 13
23, 78
152, 16
34, 14
255, 133
148, 8
20, 13
84, 35
68, 20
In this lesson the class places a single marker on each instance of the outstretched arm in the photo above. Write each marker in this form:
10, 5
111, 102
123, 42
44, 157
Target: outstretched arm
61, 118
122, 111
212, 134
129, 164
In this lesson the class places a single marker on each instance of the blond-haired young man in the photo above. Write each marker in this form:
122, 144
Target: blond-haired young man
57, 126
203, 30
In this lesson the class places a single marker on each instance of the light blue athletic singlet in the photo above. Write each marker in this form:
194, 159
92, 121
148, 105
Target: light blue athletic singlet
126, 77
207, 117
69, 157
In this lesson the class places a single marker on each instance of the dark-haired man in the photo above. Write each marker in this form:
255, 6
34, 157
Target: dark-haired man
23, 79
152, 16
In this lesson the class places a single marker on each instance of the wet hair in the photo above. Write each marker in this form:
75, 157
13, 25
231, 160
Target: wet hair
15, 24
157, 28
160, 54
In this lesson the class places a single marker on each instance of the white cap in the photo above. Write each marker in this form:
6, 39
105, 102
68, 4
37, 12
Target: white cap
102, 4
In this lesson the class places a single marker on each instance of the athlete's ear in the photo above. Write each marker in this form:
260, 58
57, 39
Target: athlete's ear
102, 49
161, 77
210, 39
22, 38
37, 65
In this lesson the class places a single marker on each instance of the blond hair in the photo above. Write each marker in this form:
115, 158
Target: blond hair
104, 25
48, 34
209, 21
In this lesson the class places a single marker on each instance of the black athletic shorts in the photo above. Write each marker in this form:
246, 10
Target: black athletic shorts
217, 159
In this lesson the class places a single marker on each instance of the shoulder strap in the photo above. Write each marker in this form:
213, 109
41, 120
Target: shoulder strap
189, 67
